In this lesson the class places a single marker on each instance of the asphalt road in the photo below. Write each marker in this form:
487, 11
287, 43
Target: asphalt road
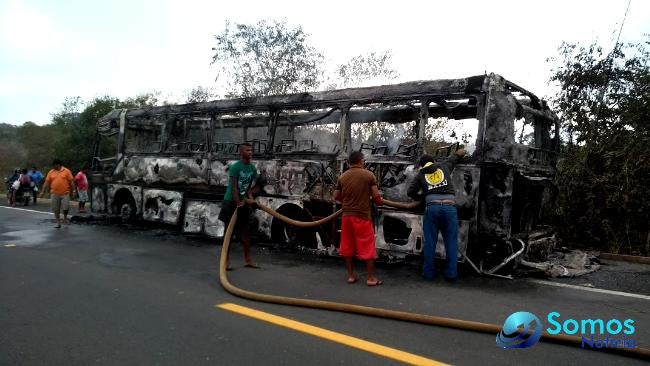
118, 295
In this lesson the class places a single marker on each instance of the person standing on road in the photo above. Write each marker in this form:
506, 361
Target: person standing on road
81, 181
60, 179
242, 175
354, 189
37, 178
433, 184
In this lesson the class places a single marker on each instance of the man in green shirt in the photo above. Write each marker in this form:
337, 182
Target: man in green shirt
242, 175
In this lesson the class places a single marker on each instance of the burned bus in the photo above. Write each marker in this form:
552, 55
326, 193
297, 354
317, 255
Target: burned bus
169, 164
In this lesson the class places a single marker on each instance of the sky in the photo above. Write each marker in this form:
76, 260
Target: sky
50, 50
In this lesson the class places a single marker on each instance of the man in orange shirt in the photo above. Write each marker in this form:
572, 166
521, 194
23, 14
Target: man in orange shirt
61, 184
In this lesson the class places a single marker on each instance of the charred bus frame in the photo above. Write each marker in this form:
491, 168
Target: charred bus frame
169, 163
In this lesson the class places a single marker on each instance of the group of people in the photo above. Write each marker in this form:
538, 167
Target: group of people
61, 184
356, 189
24, 181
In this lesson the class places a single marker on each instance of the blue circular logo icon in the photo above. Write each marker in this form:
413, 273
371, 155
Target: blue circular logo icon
520, 330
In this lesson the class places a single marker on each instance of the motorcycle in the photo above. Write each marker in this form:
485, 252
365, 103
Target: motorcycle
22, 197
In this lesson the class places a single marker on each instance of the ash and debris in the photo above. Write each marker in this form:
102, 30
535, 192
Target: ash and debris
566, 264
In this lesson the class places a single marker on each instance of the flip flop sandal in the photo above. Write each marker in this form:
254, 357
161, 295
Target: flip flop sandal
352, 280
377, 283
248, 265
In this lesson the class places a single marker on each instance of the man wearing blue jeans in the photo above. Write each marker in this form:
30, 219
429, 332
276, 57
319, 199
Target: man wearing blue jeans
433, 185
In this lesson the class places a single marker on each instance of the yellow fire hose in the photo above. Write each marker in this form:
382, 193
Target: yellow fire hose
493, 329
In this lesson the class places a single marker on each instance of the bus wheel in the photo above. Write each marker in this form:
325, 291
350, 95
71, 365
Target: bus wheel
125, 208
290, 235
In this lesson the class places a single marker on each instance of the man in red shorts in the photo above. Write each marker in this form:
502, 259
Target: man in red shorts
354, 189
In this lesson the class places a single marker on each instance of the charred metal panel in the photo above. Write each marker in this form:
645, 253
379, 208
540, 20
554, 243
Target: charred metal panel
285, 178
498, 131
212, 226
265, 220
322, 99
219, 173
399, 221
495, 206
163, 206
520, 154
394, 180
398, 114
120, 193
98, 199
166, 170
466, 180
306, 179
394, 246
321, 179
201, 217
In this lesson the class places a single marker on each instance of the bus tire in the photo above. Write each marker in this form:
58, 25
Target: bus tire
124, 206
292, 236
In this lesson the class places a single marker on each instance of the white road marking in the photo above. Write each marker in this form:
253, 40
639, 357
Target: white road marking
590, 289
24, 209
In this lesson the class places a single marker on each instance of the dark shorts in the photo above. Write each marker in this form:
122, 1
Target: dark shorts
228, 209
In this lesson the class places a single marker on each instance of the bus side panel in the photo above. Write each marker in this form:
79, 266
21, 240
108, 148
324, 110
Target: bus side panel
285, 178
162, 206
119, 193
219, 172
201, 217
98, 199
171, 170
399, 234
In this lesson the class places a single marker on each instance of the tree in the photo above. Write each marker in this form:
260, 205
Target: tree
267, 58
38, 141
364, 70
76, 122
597, 91
370, 69
604, 174
200, 94
148, 99
11, 149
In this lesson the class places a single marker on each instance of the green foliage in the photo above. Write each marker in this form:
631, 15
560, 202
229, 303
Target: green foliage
12, 152
364, 70
76, 129
70, 137
200, 94
604, 174
271, 57
266, 58
38, 142
141, 100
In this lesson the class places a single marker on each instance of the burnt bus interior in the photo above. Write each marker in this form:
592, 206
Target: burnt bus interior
169, 164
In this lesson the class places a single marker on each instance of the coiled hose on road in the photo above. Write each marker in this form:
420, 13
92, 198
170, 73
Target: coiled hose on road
493, 329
